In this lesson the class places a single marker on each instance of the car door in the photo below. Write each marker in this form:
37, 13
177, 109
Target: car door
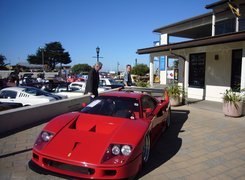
149, 104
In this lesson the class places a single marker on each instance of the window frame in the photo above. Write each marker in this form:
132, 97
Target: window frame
194, 71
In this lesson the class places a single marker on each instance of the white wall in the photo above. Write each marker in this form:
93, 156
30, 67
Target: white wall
23, 117
218, 72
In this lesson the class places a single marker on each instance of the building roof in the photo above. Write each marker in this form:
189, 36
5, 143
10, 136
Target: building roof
195, 27
212, 40
199, 26
221, 2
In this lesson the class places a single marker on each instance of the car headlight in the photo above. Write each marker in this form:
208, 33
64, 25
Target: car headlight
117, 154
115, 150
43, 139
46, 136
126, 150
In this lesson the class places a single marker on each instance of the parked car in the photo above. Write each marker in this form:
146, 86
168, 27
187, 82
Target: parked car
79, 85
110, 138
82, 85
109, 82
9, 105
27, 95
69, 91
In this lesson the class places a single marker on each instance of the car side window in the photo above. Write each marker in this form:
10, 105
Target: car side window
2, 94
103, 82
8, 94
148, 102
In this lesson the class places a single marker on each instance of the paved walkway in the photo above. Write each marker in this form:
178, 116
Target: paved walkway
200, 144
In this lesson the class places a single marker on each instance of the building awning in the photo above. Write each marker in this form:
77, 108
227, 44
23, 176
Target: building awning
212, 40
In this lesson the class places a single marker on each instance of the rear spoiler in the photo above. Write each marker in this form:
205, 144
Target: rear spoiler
156, 92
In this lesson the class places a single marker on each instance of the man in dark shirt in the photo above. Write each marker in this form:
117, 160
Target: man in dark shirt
93, 80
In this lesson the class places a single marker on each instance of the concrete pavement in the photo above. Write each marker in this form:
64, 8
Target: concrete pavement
200, 144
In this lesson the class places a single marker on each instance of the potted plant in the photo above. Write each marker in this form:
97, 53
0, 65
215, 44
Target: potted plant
232, 103
174, 93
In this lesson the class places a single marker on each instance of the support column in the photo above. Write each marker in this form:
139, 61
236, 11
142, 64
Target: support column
213, 24
237, 24
164, 39
151, 70
243, 69
186, 79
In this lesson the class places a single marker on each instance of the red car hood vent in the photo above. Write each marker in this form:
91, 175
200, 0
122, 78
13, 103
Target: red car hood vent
86, 141
97, 124
93, 129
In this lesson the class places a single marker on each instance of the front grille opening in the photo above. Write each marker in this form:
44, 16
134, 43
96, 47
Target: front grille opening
110, 172
68, 167
35, 156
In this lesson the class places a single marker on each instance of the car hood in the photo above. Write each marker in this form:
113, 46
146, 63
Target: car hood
87, 138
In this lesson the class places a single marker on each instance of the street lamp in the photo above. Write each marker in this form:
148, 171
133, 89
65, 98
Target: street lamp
42, 49
43, 59
98, 53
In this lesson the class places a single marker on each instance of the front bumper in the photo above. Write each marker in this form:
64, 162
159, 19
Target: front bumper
76, 169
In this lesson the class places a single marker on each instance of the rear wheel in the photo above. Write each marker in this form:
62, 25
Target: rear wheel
168, 121
146, 149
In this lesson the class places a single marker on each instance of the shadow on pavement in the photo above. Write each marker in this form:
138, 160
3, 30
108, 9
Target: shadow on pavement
15, 153
168, 144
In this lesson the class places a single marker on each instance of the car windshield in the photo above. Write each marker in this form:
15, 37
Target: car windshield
35, 92
114, 106
113, 82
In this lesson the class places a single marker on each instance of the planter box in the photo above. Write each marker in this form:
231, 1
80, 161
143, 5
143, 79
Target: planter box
175, 101
230, 109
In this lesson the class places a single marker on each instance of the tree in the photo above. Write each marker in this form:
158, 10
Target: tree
140, 69
2, 59
80, 68
52, 54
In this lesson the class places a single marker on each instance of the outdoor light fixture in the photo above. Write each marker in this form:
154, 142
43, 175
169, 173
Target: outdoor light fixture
98, 53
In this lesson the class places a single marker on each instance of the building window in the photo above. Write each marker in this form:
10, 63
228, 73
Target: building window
224, 27
242, 24
236, 70
197, 70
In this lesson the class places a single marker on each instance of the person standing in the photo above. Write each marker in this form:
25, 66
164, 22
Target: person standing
93, 80
127, 76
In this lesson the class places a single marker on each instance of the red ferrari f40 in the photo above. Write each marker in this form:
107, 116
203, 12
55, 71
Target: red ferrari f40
110, 138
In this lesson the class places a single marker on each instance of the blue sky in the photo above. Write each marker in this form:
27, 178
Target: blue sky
118, 27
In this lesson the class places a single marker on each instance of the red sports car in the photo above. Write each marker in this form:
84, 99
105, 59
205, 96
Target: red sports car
110, 138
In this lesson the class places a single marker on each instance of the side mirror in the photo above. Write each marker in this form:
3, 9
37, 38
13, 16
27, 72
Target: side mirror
148, 111
84, 105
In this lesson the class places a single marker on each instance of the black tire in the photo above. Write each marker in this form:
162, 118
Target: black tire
168, 121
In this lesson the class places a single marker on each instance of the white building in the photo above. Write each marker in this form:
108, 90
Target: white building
213, 58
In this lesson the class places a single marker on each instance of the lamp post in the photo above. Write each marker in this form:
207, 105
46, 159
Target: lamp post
43, 59
42, 49
98, 53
